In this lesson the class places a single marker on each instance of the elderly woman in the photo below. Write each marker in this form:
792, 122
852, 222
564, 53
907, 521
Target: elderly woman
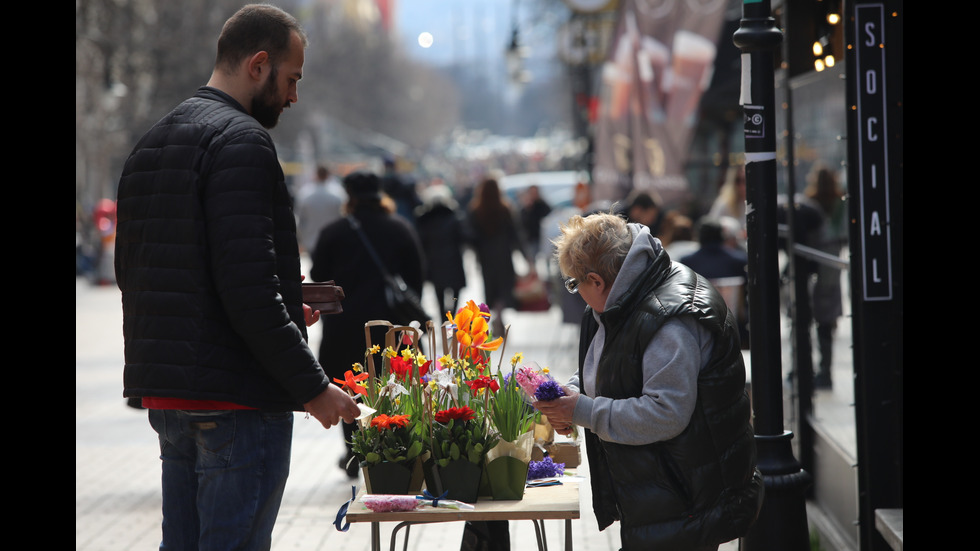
660, 390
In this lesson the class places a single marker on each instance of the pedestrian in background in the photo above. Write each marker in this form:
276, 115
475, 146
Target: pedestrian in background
716, 259
645, 207
317, 205
720, 261
825, 191
731, 200
441, 230
342, 256
400, 188
495, 238
214, 325
534, 209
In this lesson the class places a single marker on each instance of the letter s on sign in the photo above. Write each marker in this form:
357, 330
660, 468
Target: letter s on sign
869, 29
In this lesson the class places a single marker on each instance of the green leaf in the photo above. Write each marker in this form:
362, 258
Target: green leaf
414, 450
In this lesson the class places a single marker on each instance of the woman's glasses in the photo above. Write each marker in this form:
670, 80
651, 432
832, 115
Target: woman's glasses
571, 285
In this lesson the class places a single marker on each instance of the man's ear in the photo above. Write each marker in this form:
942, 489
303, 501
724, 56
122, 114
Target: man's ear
257, 65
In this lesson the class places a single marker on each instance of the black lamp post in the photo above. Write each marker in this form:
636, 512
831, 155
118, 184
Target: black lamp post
782, 522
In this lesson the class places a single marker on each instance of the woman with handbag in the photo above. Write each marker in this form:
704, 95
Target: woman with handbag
363, 253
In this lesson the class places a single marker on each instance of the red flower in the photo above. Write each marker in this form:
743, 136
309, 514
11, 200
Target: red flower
401, 367
484, 381
461, 413
350, 382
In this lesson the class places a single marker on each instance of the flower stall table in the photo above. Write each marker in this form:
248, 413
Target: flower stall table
539, 504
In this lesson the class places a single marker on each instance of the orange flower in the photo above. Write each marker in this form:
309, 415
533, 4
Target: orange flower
472, 330
350, 382
386, 422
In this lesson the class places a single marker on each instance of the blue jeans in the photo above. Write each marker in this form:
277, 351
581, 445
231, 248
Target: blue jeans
224, 473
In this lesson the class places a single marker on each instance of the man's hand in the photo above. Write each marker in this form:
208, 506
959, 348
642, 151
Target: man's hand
309, 314
559, 411
332, 405
312, 316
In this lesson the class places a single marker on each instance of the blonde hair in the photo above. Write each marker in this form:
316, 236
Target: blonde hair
596, 243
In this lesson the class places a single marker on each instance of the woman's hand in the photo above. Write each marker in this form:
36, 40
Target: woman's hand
559, 411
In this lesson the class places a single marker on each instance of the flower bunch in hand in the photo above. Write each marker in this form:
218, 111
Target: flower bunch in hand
538, 384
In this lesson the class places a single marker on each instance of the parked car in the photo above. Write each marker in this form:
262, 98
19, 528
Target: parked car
556, 187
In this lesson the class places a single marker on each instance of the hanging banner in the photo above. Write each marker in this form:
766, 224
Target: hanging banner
660, 62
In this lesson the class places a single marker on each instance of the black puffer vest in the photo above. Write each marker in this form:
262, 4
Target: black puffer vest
701, 487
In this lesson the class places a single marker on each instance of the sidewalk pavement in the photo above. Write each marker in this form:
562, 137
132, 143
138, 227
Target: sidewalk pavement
117, 470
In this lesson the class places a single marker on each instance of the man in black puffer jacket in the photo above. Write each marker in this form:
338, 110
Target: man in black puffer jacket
208, 264
662, 381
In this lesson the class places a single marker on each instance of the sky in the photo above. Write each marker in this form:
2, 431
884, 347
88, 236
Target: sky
463, 31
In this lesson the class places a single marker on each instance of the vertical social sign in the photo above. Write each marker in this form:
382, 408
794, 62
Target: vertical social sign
872, 125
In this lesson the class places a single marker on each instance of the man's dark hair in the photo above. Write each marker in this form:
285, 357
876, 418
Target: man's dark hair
642, 199
256, 28
711, 232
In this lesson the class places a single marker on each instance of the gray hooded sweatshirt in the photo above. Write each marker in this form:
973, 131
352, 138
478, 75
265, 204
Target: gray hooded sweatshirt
671, 364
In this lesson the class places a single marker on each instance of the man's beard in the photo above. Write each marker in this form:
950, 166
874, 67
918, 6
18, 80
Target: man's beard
266, 105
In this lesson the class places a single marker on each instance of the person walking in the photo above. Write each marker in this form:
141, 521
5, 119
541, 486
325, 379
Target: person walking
495, 237
441, 230
341, 255
208, 264
825, 191
318, 206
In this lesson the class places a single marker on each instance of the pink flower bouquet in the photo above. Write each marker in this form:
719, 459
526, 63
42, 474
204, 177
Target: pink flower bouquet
537, 383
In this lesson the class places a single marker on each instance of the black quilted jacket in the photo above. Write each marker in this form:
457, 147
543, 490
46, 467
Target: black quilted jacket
701, 487
208, 263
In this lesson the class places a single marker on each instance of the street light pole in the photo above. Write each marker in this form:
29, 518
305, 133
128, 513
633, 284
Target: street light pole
782, 522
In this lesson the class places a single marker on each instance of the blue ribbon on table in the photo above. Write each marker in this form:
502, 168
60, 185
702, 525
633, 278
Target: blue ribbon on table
342, 513
544, 483
435, 500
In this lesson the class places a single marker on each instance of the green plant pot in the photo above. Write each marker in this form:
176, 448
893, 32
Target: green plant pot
508, 477
460, 478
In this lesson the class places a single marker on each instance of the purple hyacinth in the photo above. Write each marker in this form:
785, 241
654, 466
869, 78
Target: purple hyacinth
548, 390
544, 469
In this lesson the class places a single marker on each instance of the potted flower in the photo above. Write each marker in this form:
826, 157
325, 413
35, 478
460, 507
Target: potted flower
513, 419
459, 447
461, 434
388, 449
390, 442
